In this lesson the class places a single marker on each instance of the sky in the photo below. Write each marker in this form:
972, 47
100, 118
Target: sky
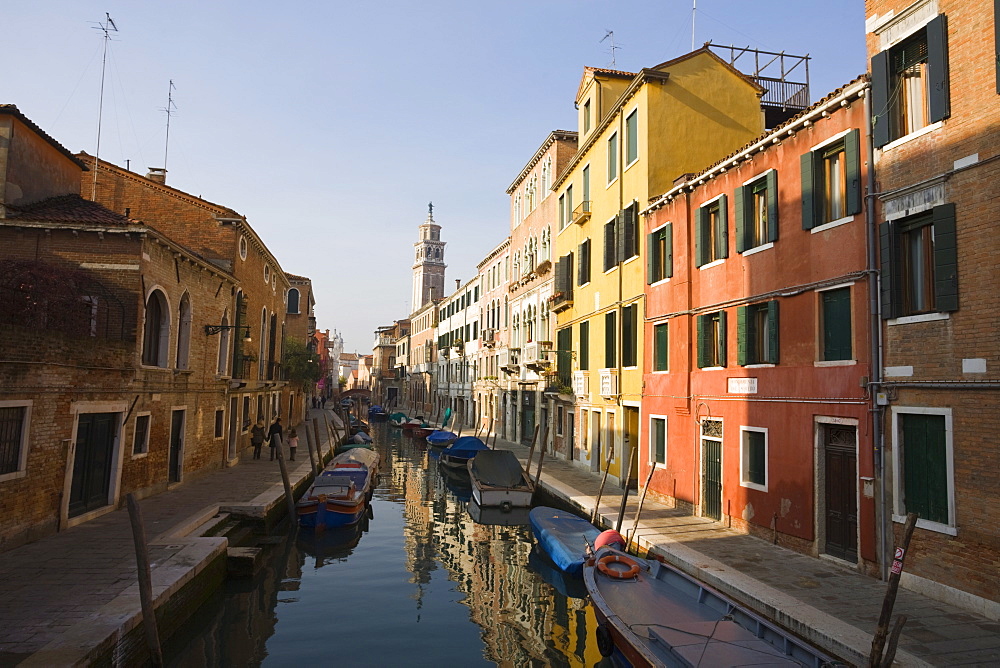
331, 125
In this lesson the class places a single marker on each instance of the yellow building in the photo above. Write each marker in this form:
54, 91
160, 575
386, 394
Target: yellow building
637, 133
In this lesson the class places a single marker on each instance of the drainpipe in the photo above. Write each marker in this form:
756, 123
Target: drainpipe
623, 466
876, 352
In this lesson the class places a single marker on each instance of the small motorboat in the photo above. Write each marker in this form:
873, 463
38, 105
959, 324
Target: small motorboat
439, 438
499, 481
495, 516
377, 414
398, 419
358, 440
461, 451
651, 614
339, 495
567, 539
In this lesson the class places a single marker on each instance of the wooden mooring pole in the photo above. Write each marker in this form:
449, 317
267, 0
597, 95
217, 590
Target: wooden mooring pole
319, 453
145, 581
541, 455
878, 642
642, 500
531, 451
287, 483
621, 508
600, 492
309, 445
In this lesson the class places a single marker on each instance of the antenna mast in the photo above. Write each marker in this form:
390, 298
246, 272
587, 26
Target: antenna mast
694, 10
106, 28
169, 109
611, 34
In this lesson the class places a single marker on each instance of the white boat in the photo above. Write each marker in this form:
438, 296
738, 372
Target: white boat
498, 481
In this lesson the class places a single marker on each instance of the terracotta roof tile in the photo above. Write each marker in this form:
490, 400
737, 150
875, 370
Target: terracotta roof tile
68, 209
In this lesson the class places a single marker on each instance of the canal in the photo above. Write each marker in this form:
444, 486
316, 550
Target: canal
417, 583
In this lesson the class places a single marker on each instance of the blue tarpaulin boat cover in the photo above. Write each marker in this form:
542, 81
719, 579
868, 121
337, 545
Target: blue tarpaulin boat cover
466, 447
563, 536
442, 438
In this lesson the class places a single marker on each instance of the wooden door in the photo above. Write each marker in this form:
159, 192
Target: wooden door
176, 444
95, 442
711, 469
841, 497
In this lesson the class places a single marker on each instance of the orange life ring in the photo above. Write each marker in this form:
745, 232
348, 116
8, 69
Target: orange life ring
630, 572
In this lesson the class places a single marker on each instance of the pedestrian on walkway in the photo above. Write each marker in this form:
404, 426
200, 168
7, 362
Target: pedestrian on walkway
293, 442
258, 434
322, 402
275, 430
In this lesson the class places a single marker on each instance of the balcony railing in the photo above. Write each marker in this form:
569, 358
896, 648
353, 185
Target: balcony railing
561, 301
609, 382
581, 383
581, 213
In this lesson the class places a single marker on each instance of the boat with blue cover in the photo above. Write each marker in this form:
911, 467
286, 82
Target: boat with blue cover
564, 537
441, 438
339, 495
461, 451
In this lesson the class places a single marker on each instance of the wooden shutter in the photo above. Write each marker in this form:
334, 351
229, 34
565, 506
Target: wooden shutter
580, 269
808, 191
560, 274
700, 237
610, 238
610, 335
852, 156
772, 326
945, 258
881, 124
772, 206
620, 225
584, 345
925, 475
660, 349
722, 338
996, 39
569, 276
668, 251
937, 68
722, 238
887, 270
741, 335
650, 258
703, 343
739, 211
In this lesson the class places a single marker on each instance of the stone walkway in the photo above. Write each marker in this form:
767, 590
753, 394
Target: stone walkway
60, 593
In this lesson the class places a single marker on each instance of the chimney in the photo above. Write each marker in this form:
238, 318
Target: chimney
158, 174
458, 283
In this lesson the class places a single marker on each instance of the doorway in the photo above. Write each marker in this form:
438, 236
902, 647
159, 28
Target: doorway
96, 434
527, 417
176, 444
841, 492
711, 469
631, 443
234, 428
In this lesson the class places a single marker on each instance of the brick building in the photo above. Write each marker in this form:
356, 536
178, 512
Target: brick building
936, 131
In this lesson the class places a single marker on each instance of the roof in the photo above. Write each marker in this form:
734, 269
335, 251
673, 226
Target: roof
296, 278
68, 210
589, 72
553, 137
12, 110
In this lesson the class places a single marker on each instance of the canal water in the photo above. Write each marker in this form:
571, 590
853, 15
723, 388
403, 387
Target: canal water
417, 583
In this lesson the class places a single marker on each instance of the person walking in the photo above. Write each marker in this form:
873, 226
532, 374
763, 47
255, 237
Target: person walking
275, 430
293, 443
258, 434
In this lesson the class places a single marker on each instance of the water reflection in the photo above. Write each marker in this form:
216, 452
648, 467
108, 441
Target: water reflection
419, 582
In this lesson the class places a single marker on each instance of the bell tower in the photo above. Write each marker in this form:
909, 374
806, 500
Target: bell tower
428, 265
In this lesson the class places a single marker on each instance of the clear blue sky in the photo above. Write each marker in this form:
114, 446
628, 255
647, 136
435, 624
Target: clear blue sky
331, 124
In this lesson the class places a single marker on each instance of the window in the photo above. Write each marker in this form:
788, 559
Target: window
660, 254
184, 332
756, 210
583, 270
140, 439
712, 340
658, 440
711, 235
910, 83
562, 211
293, 299
757, 333
924, 481
586, 186
753, 458
267, 273
632, 138
835, 313
156, 331
613, 157
630, 336
569, 203
586, 117
831, 182
610, 244
560, 418
243, 247
219, 416
919, 263
584, 351
661, 352
629, 232
14, 419
610, 343
564, 355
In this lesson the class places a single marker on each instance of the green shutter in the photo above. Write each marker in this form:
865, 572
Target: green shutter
772, 206
661, 360
772, 325
610, 334
837, 343
945, 258
650, 259
741, 335
700, 237
580, 270
925, 475
702, 343
881, 115
887, 271
722, 239
584, 345
739, 211
808, 191
996, 39
569, 275
722, 338
937, 68
852, 155
659, 441
668, 251
756, 460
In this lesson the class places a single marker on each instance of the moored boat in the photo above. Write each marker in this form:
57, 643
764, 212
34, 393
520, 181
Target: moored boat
440, 438
340, 494
564, 537
654, 615
358, 440
398, 419
377, 414
461, 451
493, 515
499, 481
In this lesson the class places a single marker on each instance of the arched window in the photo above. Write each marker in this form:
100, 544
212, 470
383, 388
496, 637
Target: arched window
529, 324
156, 330
184, 332
224, 346
546, 253
546, 177
515, 337
293, 300
262, 349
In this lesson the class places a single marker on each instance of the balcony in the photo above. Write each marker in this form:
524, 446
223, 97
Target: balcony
489, 337
581, 214
581, 383
560, 301
609, 383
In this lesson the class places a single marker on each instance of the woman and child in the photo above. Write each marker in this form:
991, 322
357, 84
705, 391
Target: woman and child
258, 435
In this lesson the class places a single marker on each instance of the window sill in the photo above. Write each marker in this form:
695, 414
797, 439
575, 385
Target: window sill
913, 135
630, 165
712, 368
757, 249
713, 263
15, 475
923, 317
753, 485
826, 363
140, 455
663, 371
631, 259
928, 525
659, 282
630, 368
760, 365
611, 182
832, 224
608, 271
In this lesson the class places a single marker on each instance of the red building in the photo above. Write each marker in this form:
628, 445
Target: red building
758, 335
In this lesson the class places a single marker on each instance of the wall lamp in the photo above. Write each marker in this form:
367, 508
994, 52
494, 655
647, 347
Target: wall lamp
215, 329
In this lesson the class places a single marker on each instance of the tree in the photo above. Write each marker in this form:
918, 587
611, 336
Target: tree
301, 364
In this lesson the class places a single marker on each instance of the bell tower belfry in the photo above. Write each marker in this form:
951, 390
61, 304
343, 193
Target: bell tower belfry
428, 265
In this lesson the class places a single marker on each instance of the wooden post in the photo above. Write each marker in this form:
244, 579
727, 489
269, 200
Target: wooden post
600, 492
642, 499
312, 459
489, 430
319, 453
878, 642
628, 474
531, 452
541, 455
890, 649
145, 581
292, 517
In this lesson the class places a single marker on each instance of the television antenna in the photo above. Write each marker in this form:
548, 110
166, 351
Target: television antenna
107, 28
610, 34
169, 110
694, 11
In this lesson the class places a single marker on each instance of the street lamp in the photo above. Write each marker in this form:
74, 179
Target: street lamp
215, 329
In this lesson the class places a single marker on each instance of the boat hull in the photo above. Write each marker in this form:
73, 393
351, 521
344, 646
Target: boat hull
564, 537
